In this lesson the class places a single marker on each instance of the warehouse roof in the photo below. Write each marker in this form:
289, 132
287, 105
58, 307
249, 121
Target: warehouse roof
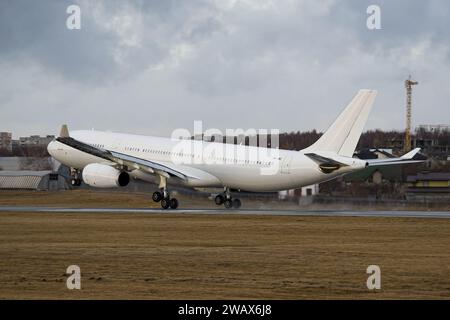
22, 173
38, 180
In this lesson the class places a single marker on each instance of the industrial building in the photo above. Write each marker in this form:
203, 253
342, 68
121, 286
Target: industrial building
24, 145
35, 140
433, 186
430, 181
5, 141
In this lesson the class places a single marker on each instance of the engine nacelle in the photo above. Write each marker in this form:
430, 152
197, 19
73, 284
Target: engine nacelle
104, 176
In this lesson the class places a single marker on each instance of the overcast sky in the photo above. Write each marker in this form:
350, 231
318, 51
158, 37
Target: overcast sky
150, 67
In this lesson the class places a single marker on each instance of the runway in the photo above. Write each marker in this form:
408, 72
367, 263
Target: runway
262, 212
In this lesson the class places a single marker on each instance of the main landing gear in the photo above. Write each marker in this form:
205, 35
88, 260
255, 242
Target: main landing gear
227, 201
163, 196
165, 199
75, 181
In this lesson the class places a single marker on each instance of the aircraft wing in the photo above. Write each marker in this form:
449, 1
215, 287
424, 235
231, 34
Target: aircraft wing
405, 159
126, 160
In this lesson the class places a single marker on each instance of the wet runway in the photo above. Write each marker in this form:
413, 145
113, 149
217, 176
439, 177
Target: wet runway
267, 212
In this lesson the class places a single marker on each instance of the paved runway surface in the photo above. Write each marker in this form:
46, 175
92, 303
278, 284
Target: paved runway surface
276, 212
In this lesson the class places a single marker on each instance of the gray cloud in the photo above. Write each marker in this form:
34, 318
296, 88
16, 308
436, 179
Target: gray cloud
153, 66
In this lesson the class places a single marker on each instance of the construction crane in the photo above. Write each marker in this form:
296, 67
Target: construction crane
408, 85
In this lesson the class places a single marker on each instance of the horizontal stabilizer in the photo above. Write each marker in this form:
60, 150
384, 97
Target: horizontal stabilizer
405, 159
410, 154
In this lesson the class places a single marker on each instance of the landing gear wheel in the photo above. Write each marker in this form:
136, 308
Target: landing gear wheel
157, 196
165, 204
236, 203
75, 182
219, 199
173, 203
75, 175
228, 204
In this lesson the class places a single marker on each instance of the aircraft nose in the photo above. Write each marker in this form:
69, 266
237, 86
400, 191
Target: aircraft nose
51, 148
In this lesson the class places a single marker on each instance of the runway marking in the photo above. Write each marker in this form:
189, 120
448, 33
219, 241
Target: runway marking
267, 212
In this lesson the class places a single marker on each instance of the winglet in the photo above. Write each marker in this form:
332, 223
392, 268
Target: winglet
410, 154
64, 133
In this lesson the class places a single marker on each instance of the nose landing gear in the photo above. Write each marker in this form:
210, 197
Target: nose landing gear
75, 181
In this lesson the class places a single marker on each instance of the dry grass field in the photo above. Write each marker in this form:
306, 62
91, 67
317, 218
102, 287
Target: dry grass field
179, 256
103, 198
77, 199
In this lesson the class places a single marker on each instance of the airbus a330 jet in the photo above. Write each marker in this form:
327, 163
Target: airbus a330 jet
107, 159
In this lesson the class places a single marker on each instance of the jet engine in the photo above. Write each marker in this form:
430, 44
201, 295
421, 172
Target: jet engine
104, 176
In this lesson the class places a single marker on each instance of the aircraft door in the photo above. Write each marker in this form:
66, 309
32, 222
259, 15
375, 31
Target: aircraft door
286, 165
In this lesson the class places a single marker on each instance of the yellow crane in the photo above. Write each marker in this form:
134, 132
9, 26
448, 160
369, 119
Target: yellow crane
408, 85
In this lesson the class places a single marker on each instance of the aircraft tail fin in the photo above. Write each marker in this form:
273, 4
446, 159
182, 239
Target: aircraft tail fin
343, 135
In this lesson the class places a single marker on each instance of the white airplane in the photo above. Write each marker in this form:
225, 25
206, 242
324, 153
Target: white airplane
106, 159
